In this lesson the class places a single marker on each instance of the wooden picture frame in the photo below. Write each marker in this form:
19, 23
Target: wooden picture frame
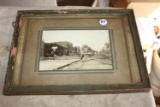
75, 52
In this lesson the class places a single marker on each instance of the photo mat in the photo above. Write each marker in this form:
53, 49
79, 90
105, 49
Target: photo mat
75, 50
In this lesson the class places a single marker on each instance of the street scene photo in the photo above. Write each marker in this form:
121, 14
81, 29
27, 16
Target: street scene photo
75, 50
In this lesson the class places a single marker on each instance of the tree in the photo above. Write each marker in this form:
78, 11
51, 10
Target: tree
84, 48
106, 48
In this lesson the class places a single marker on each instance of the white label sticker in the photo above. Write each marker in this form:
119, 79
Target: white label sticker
103, 21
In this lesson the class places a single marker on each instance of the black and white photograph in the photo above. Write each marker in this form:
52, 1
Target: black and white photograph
75, 50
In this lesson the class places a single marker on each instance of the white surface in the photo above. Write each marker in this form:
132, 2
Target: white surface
155, 13
28, 3
7, 16
146, 30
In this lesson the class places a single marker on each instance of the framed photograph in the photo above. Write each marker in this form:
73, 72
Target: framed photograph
75, 52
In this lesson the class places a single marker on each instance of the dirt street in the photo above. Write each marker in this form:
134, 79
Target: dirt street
72, 63
90, 64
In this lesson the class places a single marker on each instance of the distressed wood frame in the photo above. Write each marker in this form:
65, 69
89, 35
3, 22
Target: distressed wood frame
142, 85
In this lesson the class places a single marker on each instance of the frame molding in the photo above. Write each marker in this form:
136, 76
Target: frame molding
11, 89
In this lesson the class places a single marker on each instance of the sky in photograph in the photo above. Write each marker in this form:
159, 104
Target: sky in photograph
93, 38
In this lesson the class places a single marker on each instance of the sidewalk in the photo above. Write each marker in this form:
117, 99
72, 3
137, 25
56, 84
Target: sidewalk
54, 64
